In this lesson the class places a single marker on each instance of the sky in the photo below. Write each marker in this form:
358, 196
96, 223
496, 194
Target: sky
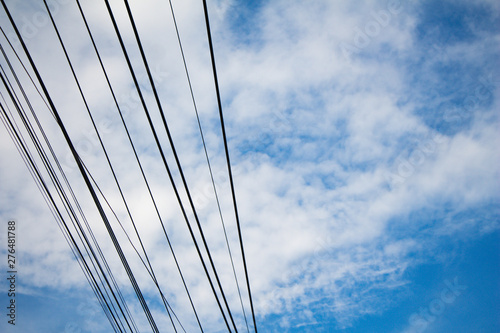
363, 138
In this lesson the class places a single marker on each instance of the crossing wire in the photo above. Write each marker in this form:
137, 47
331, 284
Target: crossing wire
62, 172
22, 145
166, 164
52, 206
176, 157
24, 67
57, 183
107, 159
86, 178
207, 158
61, 192
140, 165
86, 175
156, 283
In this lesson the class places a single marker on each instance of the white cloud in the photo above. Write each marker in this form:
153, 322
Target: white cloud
315, 206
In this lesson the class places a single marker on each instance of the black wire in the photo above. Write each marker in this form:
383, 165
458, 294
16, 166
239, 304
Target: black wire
207, 158
86, 179
164, 160
60, 190
142, 260
35, 141
84, 171
70, 188
24, 67
62, 195
219, 103
142, 171
35, 168
39, 182
107, 157
177, 160
65, 200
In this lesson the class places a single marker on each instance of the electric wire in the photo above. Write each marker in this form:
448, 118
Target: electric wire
162, 295
141, 168
119, 323
135, 249
68, 184
164, 160
226, 149
58, 186
63, 197
85, 177
24, 67
31, 161
108, 159
162, 114
34, 172
207, 158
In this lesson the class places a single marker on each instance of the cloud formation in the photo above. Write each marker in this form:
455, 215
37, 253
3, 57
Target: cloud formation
360, 132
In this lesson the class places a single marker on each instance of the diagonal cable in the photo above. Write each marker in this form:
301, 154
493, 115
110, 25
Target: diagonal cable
207, 159
226, 149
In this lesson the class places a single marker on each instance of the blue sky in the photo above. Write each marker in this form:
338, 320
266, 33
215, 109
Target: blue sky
364, 140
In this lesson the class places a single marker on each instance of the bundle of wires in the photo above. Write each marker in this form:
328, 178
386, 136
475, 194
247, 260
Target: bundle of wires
26, 103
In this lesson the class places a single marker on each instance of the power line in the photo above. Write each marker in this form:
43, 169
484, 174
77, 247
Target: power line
61, 193
85, 177
165, 125
164, 160
27, 154
207, 158
114, 305
107, 159
66, 202
226, 149
140, 166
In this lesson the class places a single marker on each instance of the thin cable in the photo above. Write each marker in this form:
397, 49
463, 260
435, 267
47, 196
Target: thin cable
59, 222
142, 171
160, 109
86, 178
106, 155
207, 158
59, 188
164, 161
32, 135
69, 186
63, 197
226, 149
31, 161
25, 69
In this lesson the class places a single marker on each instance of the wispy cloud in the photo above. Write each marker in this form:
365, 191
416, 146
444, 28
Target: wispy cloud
351, 126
